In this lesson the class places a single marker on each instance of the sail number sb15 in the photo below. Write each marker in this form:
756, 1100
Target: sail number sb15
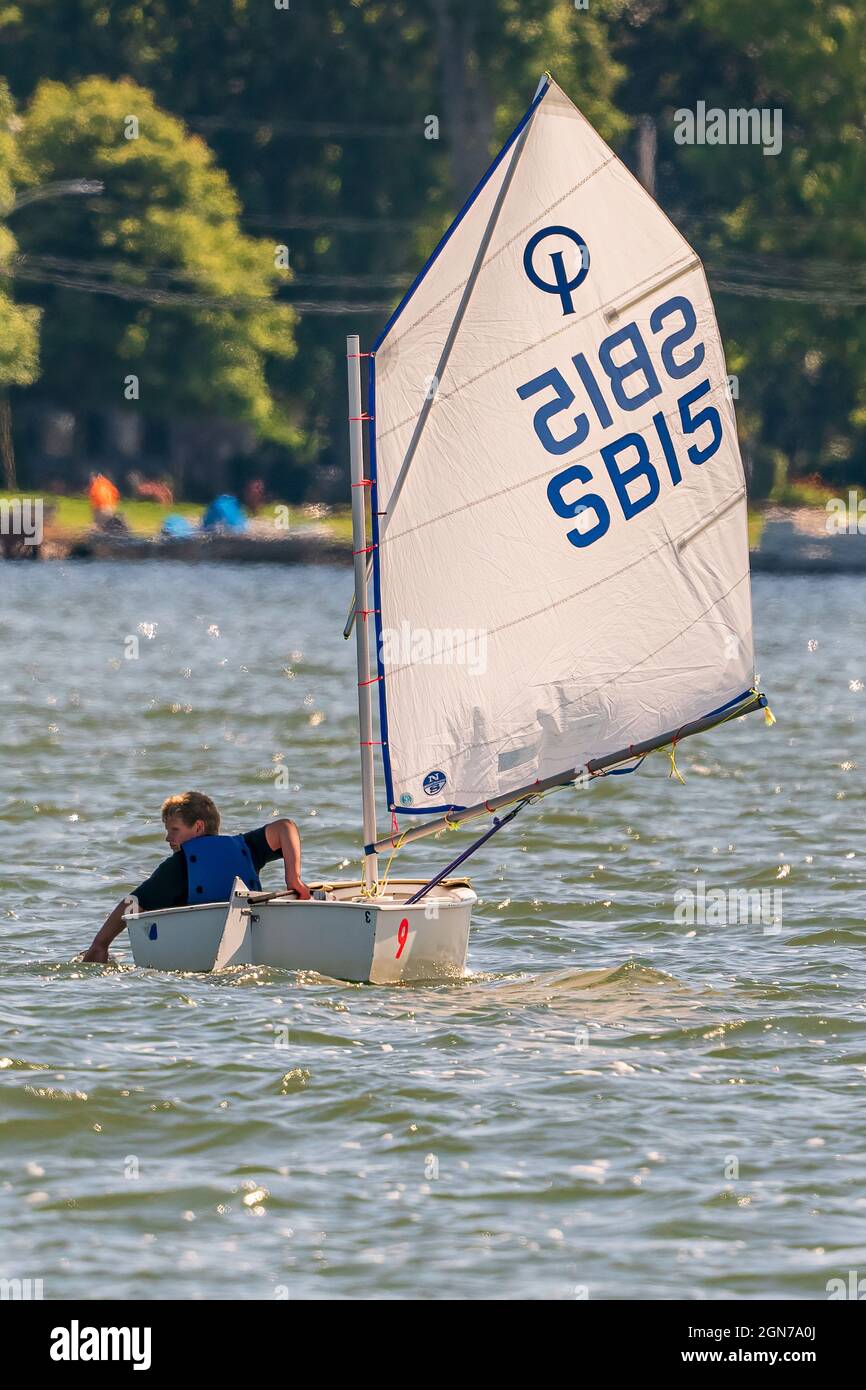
632, 473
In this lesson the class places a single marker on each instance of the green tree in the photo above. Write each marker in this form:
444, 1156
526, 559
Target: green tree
155, 278
19, 324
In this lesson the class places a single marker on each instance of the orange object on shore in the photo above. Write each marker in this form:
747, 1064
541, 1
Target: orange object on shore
102, 493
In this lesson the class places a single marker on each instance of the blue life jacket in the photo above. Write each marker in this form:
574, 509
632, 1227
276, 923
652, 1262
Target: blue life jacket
213, 862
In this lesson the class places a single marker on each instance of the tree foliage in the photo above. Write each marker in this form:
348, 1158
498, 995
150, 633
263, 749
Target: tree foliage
19, 323
191, 310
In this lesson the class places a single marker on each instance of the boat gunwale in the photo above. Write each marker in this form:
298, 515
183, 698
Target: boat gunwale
289, 900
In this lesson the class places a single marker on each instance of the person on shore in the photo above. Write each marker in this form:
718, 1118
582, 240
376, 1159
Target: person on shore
254, 496
203, 864
151, 489
103, 497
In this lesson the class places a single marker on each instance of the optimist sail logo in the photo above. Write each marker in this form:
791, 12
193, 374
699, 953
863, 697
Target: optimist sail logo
560, 282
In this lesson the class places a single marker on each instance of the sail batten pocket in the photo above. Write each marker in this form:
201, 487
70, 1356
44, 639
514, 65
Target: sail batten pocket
709, 520
614, 311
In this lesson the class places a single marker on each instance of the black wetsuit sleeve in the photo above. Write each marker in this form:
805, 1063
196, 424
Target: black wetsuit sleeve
168, 885
257, 844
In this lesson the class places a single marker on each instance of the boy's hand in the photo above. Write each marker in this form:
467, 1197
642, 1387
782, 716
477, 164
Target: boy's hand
97, 954
283, 835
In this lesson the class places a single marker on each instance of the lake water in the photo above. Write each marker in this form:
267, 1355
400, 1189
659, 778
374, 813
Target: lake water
617, 1102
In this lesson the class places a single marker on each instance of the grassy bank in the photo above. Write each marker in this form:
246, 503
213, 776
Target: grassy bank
71, 515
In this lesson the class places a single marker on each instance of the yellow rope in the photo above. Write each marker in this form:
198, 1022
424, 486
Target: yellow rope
671, 748
381, 883
675, 772
769, 716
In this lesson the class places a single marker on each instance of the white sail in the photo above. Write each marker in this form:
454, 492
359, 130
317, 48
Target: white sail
561, 563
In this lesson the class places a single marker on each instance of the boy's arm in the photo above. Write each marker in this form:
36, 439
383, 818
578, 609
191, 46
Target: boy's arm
111, 928
283, 835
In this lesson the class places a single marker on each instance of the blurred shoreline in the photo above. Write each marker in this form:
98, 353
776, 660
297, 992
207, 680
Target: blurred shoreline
62, 527
782, 539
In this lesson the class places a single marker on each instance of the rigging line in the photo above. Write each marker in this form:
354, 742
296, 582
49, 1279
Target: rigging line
461, 858
379, 886
382, 883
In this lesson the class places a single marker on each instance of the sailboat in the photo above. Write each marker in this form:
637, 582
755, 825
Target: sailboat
556, 568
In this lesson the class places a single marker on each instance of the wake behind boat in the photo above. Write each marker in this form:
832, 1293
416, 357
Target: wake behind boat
558, 574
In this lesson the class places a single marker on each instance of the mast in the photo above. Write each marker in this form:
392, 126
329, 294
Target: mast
360, 550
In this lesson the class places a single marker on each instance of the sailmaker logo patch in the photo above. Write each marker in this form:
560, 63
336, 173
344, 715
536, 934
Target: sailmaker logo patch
434, 782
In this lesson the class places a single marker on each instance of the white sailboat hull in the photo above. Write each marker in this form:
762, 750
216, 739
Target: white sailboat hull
344, 936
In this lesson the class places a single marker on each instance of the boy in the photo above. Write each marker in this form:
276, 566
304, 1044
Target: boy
203, 864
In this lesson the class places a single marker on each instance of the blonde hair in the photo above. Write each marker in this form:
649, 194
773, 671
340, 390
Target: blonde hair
190, 807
